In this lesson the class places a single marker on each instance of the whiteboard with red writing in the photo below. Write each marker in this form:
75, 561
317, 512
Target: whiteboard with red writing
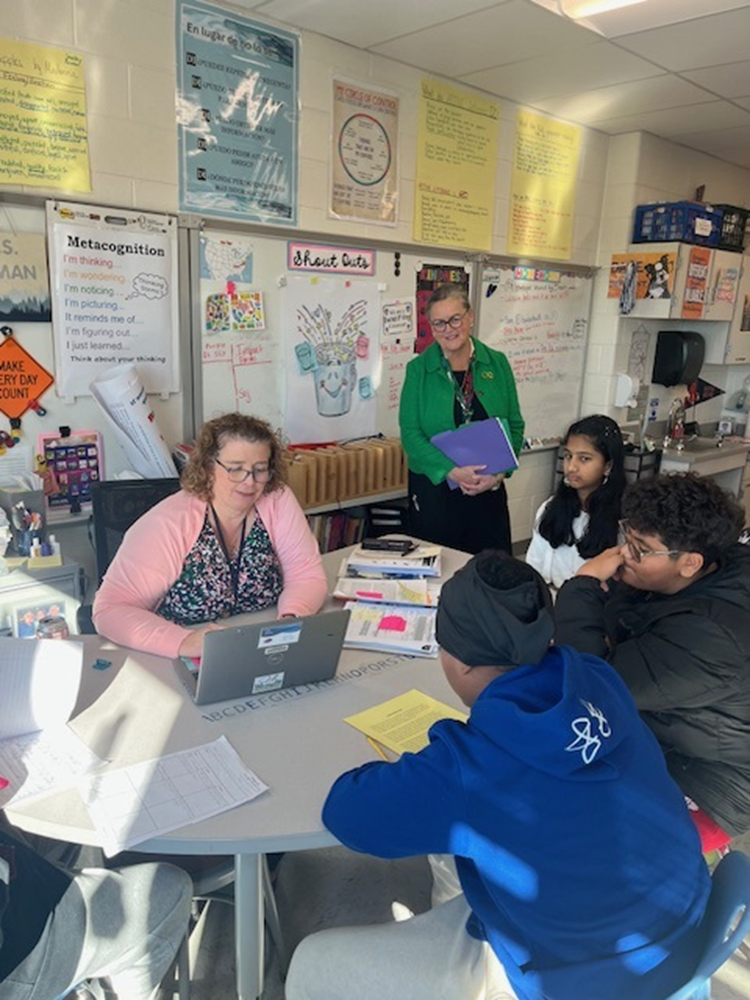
538, 318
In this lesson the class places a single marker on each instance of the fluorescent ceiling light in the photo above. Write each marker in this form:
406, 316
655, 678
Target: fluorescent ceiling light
576, 9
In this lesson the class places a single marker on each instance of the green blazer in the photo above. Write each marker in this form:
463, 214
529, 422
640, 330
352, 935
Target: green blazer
427, 405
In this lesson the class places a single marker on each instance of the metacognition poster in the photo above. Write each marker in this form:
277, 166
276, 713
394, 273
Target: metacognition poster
237, 115
364, 173
114, 295
332, 358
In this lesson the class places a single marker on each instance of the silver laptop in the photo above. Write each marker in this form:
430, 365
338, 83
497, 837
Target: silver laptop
245, 660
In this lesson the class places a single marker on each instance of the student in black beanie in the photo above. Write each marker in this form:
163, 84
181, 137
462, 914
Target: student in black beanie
580, 868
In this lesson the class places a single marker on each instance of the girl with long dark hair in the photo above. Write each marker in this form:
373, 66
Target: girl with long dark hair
581, 519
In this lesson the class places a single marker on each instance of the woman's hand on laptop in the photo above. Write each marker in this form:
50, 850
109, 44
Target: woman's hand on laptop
192, 644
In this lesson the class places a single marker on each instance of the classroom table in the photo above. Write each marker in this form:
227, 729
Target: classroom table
295, 740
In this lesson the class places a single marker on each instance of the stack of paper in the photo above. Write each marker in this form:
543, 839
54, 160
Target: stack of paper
392, 628
421, 562
420, 592
401, 724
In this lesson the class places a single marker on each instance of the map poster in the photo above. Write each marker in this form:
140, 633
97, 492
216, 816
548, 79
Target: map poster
114, 295
364, 177
542, 197
456, 164
237, 115
44, 139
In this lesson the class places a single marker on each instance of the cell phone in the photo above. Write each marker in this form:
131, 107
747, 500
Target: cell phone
399, 546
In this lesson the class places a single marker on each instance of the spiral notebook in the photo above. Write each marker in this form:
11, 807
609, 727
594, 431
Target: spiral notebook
484, 442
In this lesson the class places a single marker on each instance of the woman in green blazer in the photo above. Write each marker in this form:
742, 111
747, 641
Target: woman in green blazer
456, 380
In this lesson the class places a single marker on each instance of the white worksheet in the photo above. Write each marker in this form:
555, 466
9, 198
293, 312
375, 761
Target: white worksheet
44, 762
132, 804
39, 680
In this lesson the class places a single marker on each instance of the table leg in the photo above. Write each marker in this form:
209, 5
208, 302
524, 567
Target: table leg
248, 925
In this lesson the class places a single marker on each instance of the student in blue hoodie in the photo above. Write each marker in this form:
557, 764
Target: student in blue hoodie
580, 867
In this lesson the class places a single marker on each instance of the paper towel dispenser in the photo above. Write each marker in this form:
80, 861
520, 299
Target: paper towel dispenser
679, 357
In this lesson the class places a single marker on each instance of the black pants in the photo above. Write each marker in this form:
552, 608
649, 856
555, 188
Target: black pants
449, 517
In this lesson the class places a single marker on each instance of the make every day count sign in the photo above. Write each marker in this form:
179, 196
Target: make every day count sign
237, 115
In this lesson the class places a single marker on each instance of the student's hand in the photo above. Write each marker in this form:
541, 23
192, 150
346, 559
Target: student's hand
192, 645
467, 475
603, 567
486, 482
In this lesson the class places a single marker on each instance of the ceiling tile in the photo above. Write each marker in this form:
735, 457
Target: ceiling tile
642, 17
732, 80
500, 34
705, 41
627, 99
718, 141
366, 24
676, 121
585, 67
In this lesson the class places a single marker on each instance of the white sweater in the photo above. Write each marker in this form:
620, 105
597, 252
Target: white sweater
556, 565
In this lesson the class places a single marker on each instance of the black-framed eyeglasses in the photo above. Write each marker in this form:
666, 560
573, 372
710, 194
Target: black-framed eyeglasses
441, 325
261, 473
635, 551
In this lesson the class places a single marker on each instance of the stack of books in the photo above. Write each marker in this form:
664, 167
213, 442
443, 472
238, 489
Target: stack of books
392, 599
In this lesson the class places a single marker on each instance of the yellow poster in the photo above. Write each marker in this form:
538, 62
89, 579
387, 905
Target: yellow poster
542, 197
456, 164
43, 135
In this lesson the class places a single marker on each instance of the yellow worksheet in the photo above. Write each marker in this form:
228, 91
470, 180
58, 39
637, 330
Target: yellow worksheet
401, 724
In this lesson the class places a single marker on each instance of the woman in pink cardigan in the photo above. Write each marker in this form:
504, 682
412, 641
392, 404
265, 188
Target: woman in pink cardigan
233, 539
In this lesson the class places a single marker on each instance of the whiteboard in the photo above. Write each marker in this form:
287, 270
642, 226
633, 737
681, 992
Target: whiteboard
246, 369
541, 324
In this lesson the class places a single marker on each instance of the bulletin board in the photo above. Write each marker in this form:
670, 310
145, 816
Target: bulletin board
252, 366
539, 318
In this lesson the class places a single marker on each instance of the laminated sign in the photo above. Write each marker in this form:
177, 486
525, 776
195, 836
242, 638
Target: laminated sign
22, 379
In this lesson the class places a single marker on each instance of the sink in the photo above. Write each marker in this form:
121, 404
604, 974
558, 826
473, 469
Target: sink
701, 444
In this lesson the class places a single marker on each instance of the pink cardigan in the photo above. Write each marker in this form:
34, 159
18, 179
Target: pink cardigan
152, 555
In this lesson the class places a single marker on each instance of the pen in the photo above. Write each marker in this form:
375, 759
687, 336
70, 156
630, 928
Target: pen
378, 749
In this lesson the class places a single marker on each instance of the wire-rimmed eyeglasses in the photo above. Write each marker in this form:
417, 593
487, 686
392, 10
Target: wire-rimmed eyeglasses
635, 551
261, 473
441, 325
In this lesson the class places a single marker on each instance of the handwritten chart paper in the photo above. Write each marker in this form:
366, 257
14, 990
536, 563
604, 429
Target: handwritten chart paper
132, 804
401, 724
456, 163
43, 141
542, 198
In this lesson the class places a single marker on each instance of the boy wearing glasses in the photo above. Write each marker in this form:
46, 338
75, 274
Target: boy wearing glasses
670, 609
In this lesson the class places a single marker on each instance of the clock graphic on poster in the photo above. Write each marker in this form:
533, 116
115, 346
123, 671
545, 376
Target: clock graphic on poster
365, 149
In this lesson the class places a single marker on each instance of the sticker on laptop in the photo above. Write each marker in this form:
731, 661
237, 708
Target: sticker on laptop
283, 634
268, 682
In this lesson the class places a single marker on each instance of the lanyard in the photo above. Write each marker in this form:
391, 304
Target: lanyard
463, 393
233, 564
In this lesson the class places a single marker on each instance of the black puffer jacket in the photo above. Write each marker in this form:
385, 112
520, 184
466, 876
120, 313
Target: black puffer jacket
686, 659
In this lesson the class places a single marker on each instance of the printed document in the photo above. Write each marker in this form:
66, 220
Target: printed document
402, 723
419, 592
131, 804
391, 628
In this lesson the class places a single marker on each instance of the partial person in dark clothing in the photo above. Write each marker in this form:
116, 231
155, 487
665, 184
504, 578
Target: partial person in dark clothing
670, 609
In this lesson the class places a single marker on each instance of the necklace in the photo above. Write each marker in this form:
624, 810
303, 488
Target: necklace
233, 564
463, 391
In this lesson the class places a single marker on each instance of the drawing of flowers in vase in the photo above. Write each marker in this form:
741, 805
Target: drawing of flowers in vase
331, 354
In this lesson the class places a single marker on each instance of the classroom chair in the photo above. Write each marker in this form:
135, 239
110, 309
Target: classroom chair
727, 922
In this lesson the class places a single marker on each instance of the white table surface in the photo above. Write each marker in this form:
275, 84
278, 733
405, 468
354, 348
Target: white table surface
296, 742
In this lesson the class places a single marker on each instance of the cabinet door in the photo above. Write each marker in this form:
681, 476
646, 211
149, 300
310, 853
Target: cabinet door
723, 285
738, 342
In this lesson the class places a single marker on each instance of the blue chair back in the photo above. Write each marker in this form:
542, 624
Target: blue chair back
727, 922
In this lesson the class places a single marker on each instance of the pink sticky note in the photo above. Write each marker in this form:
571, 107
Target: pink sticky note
373, 595
392, 623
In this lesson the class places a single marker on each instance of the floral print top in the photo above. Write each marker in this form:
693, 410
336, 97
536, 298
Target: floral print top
205, 589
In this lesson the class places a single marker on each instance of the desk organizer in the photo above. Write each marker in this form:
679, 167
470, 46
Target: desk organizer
330, 474
681, 221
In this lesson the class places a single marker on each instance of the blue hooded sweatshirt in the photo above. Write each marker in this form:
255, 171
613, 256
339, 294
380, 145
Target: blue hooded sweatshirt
574, 847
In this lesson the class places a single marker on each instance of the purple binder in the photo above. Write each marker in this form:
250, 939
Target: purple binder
482, 443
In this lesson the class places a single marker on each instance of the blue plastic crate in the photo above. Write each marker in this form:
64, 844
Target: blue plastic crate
683, 221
